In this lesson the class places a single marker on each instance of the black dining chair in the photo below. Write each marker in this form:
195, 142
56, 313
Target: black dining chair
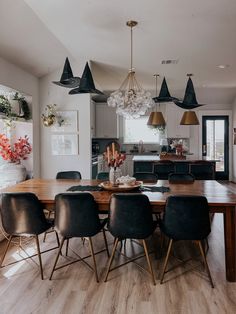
163, 168
22, 215
146, 177
179, 177
130, 217
186, 218
76, 175
76, 215
103, 176
69, 175
202, 170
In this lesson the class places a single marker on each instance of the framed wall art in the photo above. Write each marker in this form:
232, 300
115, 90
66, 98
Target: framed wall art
64, 144
66, 122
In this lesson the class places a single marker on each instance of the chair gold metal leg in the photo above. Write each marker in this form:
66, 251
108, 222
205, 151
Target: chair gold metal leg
67, 246
46, 232
111, 258
58, 242
149, 262
56, 260
205, 262
105, 240
166, 260
39, 255
94, 260
6, 249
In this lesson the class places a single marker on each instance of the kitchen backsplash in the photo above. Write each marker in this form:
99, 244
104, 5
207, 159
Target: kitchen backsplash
102, 144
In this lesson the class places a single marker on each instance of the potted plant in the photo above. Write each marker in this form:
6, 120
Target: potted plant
14, 106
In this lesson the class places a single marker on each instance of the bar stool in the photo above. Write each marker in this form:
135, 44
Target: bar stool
202, 170
104, 176
163, 168
146, 177
179, 177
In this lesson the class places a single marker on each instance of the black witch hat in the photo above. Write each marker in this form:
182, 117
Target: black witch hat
164, 95
190, 101
86, 83
67, 78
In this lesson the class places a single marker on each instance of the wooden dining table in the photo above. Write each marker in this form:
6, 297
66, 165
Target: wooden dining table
220, 200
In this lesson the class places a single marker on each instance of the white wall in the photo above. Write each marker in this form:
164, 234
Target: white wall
234, 146
15, 78
53, 94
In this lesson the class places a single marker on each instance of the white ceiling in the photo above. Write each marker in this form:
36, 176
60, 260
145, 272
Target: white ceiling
200, 34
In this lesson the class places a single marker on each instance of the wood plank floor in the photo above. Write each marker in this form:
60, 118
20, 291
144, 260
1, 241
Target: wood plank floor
128, 290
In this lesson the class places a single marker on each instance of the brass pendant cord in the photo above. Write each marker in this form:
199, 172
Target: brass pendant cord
131, 48
156, 75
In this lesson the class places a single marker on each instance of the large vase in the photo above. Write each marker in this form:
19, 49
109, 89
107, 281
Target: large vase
12, 173
114, 174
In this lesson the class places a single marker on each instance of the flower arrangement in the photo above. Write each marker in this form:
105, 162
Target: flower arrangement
20, 149
180, 146
113, 157
49, 118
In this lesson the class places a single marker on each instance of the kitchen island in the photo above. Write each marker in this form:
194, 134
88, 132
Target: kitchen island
145, 163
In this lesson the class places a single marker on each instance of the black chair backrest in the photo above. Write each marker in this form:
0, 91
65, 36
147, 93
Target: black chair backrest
76, 215
130, 216
146, 177
69, 175
202, 170
186, 218
22, 213
163, 168
103, 176
180, 177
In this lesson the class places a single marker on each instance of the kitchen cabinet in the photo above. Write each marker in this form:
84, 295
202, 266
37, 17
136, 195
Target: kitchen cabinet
92, 119
173, 118
106, 121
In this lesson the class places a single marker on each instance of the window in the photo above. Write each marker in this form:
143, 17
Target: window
137, 129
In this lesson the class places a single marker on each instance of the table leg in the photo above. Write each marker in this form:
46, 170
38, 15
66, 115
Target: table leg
230, 242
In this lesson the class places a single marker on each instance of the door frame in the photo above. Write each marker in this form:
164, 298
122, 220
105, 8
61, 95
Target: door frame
217, 113
224, 175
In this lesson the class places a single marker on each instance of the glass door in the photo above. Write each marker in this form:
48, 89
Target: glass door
215, 143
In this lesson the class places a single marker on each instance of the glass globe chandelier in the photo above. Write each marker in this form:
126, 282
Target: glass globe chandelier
130, 100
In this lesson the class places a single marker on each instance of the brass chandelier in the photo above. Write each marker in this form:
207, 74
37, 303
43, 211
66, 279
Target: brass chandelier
130, 100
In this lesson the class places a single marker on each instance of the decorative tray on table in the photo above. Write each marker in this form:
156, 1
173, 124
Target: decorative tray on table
121, 187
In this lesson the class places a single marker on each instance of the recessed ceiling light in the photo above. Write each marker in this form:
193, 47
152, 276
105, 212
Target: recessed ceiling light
223, 66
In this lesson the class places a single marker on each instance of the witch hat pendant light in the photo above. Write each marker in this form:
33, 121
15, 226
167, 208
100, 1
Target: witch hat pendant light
190, 101
164, 95
156, 119
86, 83
67, 78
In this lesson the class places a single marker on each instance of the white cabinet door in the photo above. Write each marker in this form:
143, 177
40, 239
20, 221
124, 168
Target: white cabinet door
92, 119
106, 122
129, 165
173, 118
